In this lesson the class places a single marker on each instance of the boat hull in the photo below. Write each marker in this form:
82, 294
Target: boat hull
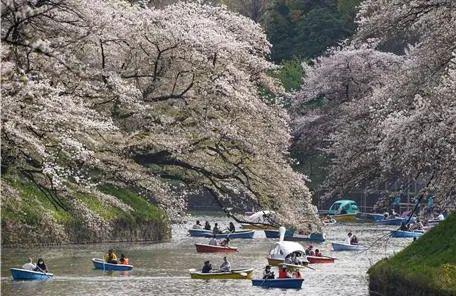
394, 221
401, 233
279, 283
271, 233
279, 261
347, 247
345, 217
238, 274
209, 233
370, 217
313, 237
254, 226
320, 259
102, 265
204, 248
19, 274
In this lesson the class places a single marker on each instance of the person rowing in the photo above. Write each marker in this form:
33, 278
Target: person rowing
231, 227
268, 274
207, 267
41, 266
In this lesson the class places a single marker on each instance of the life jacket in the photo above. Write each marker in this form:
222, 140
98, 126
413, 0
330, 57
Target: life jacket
123, 261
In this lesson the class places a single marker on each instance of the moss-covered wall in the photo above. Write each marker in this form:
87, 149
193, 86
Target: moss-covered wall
426, 267
31, 217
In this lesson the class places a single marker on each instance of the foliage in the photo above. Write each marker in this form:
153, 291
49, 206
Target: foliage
305, 29
96, 92
430, 261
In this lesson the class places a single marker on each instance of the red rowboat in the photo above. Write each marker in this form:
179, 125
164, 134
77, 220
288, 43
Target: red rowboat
203, 248
320, 259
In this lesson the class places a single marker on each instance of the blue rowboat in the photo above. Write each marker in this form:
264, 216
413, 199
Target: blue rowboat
313, 237
347, 247
24, 274
402, 233
101, 264
199, 232
392, 221
279, 283
276, 234
237, 234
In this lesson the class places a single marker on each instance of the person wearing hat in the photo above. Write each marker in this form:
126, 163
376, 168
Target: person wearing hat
268, 273
207, 267
111, 257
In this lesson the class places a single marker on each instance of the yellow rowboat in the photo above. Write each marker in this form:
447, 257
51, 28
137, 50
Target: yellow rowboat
235, 274
345, 218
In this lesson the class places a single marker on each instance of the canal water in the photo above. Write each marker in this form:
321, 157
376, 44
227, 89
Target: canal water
162, 269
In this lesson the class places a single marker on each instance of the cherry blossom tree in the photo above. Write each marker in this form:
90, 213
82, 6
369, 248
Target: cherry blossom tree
150, 99
399, 123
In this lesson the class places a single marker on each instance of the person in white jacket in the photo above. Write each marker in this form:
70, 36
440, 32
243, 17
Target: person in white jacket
29, 265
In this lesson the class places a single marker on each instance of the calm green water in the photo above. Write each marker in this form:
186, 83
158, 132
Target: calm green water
163, 268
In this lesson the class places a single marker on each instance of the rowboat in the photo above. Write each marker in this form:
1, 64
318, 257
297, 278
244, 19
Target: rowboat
205, 248
284, 283
24, 274
371, 217
199, 232
255, 226
320, 259
347, 247
402, 233
314, 237
101, 264
209, 233
272, 233
392, 221
235, 274
345, 217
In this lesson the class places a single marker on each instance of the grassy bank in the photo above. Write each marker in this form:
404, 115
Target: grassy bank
33, 216
426, 267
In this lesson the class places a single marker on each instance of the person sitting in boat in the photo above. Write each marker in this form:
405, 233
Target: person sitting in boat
296, 274
213, 241
41, 266
207, 267
123, 259
216, 230
310, 251
29, 265
268, 274
318, 253
418, 225
226, 266
404, 227
207, 226
225, 242
111, 257
231, 228
283, 273
352, 239
441, 217
197, 225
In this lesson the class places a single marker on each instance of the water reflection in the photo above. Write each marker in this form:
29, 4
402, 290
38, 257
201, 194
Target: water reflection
163, 268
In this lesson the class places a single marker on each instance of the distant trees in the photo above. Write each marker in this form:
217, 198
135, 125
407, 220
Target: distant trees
395, 115
305, 29
96, 92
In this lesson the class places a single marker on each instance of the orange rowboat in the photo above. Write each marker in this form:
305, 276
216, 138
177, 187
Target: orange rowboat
320, 259
204, 248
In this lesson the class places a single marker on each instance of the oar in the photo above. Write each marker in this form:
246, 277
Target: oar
242, 273
191, 270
